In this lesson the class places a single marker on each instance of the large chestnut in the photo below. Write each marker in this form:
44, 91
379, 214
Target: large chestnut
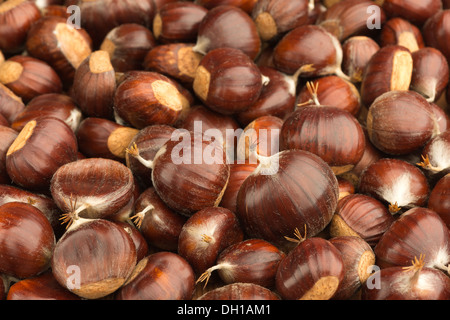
286, 191
227, 80
42, 146
313, 270
159, 276
27, 240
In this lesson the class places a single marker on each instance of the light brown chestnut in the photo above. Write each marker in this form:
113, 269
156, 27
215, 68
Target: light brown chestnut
29, 77
228, 26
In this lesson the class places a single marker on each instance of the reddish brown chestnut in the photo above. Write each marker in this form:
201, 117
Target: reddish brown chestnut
227, 80
127, 45
73, 190
240, 291
439, 200
416, 11
7, 137
274, 17
362, 216
206, 234
29, 77
249, 261
400, 122
94, 85
10, 104
289, 190
16, 18
142, 247
396, 182
160, 225
93, 258
435, 32
103, 138
228, 26
27, 240
178, 22
398, 31
41, 147
313, 270
40, 287
357, 51
196, 162
389, 69
436, 154
246, 5
146, 98
418, 231
159, 276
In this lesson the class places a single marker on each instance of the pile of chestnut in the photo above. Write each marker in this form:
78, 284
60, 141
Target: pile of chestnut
224, 150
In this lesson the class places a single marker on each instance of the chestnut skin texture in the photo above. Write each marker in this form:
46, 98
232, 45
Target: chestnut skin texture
7, 137
240, 291
10, 104
27, 240
160, 276
439, 199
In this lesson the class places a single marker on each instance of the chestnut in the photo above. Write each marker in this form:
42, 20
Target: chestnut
439, 200
103, 138
416, 11
430, 75
41, 287
142, 247
127, 45
27, 240
42, 146
249, 261
289, 189
400, 122
94, 85
227, 80
159, 276
276, 17
389, 69
435, 31
356, 53
148, 141
63, 47
10, 104
159, 225
313, 270
16, 18
398, 31
29, 77
358, 258
176, 60
196, 162
246, 5
93, 258
362, 216
146, 98
56, 105
308, 51
206, 234
277, 97
7, 137
418, 231
240, 291
178, 22
435, 154
74, 192
350, 18
228, 26
395, 182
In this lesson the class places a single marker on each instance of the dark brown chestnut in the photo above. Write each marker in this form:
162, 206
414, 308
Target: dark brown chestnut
94, 85
356, 53
228, 26
416, 11
159, 225
240, 291
93, 258
104, 138
7, 137
227, 80
42, 146
395, 182
16, 18
313, 270
159, 276
10, 104
206, 234
398, 31
178, 22
127, 45
289, 190
439, 200
400, 122
56, 105
29, 77
246, 5
146, 98
389, 69
27, 240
